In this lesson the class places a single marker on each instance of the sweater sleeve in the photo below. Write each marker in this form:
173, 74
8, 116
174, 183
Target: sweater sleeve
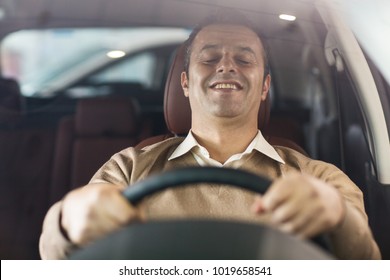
53, 244
352, 239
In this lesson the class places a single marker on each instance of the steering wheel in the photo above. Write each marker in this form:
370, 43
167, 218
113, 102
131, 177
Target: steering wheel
200, 239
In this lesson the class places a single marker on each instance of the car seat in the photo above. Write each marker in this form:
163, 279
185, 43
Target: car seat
25, 161
100, 128
11, 103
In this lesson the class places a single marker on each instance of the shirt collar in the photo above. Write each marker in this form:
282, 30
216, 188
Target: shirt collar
258, 143
187, 145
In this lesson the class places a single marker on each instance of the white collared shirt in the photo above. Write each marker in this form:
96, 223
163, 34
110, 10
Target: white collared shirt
202, 156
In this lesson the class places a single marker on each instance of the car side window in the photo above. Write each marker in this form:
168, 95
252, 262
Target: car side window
136, 69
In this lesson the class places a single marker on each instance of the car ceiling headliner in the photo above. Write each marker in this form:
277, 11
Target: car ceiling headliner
20, 14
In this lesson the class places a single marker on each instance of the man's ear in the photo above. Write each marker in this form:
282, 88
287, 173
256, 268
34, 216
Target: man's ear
184, 83
266, 86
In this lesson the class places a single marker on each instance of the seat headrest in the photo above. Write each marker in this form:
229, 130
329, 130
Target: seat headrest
10, 95
177, 106
106, 116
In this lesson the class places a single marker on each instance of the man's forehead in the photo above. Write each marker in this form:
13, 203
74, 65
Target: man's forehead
228, 28
232, 34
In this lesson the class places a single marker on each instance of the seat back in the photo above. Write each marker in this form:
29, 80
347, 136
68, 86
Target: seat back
25, 162
10, 96
10, 103
100, 128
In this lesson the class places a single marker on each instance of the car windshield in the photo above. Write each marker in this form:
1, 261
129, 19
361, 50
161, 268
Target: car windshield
82, 81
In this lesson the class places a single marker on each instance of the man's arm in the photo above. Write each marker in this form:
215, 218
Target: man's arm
352, 239
84, 215
306, 206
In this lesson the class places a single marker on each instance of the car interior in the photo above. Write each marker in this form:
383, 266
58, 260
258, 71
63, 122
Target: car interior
51, 145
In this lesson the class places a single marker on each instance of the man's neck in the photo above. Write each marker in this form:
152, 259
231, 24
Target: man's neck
223, 142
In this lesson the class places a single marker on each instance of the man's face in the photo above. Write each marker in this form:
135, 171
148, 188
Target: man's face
226, 71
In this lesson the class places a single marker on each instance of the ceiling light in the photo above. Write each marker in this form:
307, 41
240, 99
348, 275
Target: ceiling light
287, 17
116, 54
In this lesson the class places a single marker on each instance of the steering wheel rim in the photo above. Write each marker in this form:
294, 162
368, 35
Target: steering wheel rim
130, 237
191, 175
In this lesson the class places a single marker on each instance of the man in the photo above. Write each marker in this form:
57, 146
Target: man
225, 81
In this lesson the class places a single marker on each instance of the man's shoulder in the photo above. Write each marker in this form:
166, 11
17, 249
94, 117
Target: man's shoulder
298, 160
286, 153
294, 158
165, 147
167, 144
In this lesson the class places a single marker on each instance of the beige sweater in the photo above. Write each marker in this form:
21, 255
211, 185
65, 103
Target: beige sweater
352, 240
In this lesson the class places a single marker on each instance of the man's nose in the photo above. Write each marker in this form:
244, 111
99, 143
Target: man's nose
226, 65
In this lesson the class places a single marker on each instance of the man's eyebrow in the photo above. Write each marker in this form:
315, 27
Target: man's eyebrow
247, 49
209, 46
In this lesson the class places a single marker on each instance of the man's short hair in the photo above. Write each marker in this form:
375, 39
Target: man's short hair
223, 16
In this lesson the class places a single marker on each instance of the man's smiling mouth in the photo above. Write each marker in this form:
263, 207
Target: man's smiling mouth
226, 85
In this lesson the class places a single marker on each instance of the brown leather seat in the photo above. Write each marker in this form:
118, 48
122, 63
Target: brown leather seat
10, 103
101, 127
10, 96
25, 160
178, 112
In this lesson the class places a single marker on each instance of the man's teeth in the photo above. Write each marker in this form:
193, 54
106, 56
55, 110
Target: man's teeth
223, 86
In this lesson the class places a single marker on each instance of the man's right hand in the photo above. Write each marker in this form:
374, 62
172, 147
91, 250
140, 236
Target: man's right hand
94, 211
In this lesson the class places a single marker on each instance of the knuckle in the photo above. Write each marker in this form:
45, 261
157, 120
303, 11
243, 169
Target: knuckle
77, 235
328, 222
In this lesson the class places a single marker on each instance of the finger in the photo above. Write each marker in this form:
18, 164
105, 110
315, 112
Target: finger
301, 220
93, 211
115, 210
300, 202
319, 222
312, 228
111, 200
120, 210
277, 194
287, 199
95, 231
285, 212
258, 205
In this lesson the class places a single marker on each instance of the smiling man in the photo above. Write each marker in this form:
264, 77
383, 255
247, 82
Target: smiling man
226, 80
225, 85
